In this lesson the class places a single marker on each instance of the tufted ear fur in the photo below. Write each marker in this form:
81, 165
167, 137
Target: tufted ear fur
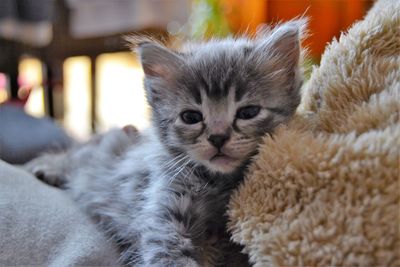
158, 61
284, 42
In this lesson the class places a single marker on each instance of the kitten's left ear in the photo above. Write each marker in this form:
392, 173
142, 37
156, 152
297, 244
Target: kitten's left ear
158, 61
284, 42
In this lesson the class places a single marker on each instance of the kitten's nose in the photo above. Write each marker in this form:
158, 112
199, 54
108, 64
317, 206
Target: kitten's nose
218, 140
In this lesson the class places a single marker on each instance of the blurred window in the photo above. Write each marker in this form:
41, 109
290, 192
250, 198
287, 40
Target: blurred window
120, 98
30, 89
77, 96
4, 95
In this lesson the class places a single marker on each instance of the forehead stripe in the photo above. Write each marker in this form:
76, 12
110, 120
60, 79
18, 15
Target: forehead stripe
219, 88
195, 91
240, 91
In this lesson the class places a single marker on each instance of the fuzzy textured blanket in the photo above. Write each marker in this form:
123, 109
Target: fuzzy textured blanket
324, 191
41, 226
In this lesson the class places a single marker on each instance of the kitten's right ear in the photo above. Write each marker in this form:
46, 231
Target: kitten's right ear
157, 61
284, 40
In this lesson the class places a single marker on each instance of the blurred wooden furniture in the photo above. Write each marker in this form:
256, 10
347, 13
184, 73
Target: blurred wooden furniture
62, 46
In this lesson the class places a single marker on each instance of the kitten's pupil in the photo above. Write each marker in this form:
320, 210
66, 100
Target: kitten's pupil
191, 116
248, 112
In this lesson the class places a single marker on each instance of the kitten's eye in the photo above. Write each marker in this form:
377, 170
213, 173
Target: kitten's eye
191, 116
248, 112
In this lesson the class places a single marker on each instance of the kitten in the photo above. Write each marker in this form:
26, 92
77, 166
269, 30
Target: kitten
162, 194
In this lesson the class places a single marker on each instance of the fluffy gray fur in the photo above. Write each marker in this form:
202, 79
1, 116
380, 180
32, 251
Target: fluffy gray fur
162, 194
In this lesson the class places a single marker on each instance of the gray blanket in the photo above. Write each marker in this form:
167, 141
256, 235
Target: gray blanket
40, 225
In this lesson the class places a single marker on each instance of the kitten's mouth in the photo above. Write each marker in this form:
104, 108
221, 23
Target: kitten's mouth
221, 158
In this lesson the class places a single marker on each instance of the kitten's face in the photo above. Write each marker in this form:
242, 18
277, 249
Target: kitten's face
215, 102
222, 132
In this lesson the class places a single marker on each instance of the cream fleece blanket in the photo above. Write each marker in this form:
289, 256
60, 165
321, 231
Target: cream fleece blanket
39, 225
325, 190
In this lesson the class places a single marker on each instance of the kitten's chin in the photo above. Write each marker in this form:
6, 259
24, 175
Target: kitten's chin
222, 164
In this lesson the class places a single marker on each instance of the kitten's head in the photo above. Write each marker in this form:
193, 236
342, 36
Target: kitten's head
214, 101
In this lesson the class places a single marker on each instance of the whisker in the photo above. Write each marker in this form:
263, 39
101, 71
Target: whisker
171, 161
178, 161
174, 167
179, 171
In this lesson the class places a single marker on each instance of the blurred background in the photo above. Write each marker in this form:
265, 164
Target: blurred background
66, 71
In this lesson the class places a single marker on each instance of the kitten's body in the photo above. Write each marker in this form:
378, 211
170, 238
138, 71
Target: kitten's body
158, 210
162, 193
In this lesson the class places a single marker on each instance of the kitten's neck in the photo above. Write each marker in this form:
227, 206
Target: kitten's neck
228, 180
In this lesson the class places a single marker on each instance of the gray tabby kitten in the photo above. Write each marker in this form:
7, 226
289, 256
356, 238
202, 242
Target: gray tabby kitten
162, 194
